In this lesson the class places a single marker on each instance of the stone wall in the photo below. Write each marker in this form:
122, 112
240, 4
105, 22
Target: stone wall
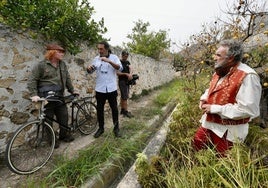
19, 52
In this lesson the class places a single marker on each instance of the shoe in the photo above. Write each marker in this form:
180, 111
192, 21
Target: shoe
57, 144
127, 114
116, 133
263, 125
122, 111
98, 133
69, 138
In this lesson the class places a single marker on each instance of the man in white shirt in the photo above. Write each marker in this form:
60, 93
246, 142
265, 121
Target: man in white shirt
106, 65
231, 101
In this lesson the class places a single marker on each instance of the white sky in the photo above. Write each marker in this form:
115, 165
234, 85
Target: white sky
181, 18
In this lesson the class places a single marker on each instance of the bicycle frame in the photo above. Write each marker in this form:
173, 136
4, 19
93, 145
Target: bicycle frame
75, 103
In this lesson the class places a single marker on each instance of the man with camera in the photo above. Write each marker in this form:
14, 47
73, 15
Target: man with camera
125, 79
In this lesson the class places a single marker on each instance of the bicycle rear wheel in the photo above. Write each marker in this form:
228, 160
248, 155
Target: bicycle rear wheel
86, 117
30, 147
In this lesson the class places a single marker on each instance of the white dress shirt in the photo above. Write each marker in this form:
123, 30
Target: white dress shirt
106, 80
247, 105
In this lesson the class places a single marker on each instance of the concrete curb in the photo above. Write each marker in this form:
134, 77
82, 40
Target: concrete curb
110, 174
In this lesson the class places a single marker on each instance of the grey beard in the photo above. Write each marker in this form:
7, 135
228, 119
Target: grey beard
223, 69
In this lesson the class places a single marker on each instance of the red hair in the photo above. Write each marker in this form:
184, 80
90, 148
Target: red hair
50, 53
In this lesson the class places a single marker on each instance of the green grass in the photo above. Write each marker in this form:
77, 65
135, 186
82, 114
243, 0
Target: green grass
75, 172
206, 170
170, 93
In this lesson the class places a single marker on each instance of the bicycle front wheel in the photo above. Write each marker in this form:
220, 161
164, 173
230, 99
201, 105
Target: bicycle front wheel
30, 147
86, 117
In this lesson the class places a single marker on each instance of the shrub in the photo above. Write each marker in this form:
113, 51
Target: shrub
67, 21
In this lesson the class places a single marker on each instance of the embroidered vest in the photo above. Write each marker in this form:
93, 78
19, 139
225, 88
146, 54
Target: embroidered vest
225, 93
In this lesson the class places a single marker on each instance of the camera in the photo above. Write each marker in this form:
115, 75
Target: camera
93, 68
133, 80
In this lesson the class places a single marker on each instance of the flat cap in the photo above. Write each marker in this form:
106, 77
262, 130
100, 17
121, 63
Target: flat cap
55, 47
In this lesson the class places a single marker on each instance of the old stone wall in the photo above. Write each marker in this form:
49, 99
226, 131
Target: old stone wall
19, 52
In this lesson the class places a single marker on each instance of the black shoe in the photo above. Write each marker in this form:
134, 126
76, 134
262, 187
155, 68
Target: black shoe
122, 111
69, 138
127, 114
263, 125
98, 133
57, 144
116, 133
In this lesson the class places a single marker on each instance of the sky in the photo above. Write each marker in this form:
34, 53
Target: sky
180, 18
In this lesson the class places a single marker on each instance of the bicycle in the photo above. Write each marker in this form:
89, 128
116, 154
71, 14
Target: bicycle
33, 143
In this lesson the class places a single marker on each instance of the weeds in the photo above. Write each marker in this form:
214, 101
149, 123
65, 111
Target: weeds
89, 162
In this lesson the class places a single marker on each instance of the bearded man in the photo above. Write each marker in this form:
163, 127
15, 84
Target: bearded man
231, 101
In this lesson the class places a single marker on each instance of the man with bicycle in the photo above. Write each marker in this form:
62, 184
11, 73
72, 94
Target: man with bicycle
51, 74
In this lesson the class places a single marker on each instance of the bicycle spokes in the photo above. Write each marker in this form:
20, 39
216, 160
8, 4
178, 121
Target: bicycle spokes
30, 147
86, 118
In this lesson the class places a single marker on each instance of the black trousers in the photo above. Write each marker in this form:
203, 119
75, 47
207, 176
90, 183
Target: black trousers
61, 113
112, 99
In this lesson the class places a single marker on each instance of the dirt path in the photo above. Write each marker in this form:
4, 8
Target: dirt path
12, 180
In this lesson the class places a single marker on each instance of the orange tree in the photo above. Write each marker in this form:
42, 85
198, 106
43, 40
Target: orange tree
66, 21
245, 21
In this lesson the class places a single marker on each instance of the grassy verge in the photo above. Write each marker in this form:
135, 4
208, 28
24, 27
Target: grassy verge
179, 166
90, 161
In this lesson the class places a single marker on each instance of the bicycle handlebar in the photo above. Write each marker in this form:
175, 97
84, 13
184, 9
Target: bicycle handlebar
52, 97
